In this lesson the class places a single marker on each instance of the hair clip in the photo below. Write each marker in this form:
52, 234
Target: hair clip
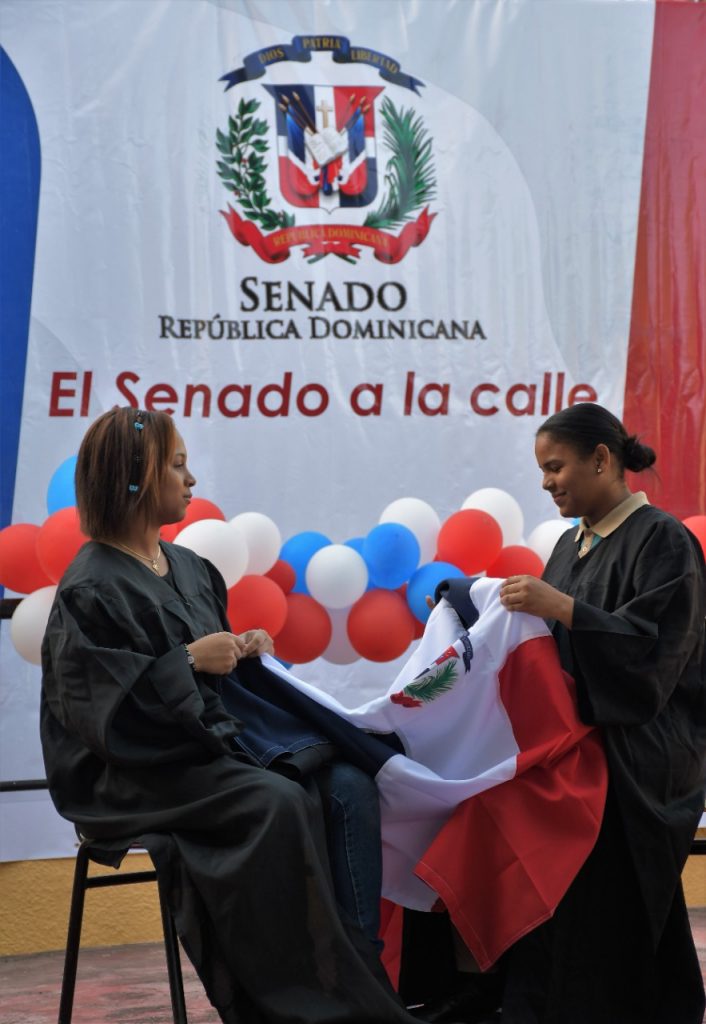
136, 471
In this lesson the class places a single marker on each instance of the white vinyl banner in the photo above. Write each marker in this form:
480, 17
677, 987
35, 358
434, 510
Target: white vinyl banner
360, 250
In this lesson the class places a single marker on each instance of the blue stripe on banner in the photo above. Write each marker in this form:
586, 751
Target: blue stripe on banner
19, 199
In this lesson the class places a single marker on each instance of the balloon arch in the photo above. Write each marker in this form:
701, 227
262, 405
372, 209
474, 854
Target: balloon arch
363, 598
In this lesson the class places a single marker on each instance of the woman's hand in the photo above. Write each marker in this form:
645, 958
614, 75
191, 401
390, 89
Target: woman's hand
217, 653
255, 642
528, 594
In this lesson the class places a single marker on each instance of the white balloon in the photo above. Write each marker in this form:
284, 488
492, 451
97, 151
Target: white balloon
219, 542
420, 518
544, 537
504, 509
263, 539
336, 576
340, 651
29, 621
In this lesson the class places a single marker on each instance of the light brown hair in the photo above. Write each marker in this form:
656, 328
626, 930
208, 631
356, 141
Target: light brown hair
120, 468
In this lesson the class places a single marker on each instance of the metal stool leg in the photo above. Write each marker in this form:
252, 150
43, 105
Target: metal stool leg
171, 949
82, 881
73, 938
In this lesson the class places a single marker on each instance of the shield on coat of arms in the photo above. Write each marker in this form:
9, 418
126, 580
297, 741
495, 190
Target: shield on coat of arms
326, 144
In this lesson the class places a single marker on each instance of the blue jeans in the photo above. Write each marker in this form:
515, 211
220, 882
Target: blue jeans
355, 849
278, 738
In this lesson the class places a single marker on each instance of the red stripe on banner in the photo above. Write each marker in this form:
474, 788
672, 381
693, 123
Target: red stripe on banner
507, 856
665, 388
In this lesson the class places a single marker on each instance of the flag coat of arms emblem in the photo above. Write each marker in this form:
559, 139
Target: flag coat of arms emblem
345, 150
326, 144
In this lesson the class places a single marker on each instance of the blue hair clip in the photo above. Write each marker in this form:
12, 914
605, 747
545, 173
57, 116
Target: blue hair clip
137, 458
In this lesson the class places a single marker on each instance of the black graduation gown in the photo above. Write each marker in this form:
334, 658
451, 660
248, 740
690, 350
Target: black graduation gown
619, 947
136, 744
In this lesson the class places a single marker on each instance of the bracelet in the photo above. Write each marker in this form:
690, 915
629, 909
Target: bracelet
190, 658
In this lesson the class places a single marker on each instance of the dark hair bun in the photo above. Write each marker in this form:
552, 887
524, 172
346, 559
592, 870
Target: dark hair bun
637, 456
586, 425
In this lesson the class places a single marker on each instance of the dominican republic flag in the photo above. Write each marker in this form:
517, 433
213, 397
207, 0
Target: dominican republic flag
326, 144
492, 790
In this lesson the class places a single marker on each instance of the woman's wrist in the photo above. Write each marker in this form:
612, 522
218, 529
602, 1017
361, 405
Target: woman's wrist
565, 610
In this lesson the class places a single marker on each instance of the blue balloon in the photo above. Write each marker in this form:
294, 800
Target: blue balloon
424, 582
61, 492
298, 551
392, 553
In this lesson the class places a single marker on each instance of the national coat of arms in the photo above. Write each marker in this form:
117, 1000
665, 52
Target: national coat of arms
326, 140
439, 678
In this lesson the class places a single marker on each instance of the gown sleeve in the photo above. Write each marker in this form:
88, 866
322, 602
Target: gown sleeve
126, 706
218, 586
628, 661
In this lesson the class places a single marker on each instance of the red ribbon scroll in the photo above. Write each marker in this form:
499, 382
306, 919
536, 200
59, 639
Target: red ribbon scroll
322, 239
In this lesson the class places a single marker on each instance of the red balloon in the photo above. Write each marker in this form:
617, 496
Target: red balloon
470, 539
516, 560
307, 631
255, 602
58, 542
20, 568
198, 508
283, 574
380, 625
697, 525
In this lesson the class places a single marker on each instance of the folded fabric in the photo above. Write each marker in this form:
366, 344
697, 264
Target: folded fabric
497, 797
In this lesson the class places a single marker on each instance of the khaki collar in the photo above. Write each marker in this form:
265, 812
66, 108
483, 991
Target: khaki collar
615, 518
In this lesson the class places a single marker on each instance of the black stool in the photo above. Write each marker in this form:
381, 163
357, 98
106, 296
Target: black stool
89, 850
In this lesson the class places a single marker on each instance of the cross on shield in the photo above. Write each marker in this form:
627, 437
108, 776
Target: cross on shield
326, 144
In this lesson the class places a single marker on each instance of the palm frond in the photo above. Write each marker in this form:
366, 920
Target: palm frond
409, 174
431, 686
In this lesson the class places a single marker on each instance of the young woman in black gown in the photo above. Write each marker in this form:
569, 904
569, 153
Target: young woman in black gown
137, 743
625, 596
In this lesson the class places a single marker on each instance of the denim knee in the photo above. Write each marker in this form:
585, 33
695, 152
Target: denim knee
354, 844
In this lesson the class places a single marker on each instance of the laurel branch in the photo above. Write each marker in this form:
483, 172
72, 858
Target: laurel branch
429, 687
242, 166
409, 174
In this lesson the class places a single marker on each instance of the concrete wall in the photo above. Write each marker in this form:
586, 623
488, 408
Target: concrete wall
35, 896
34, 907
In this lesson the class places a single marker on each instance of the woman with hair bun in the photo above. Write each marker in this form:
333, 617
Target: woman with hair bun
624, 594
